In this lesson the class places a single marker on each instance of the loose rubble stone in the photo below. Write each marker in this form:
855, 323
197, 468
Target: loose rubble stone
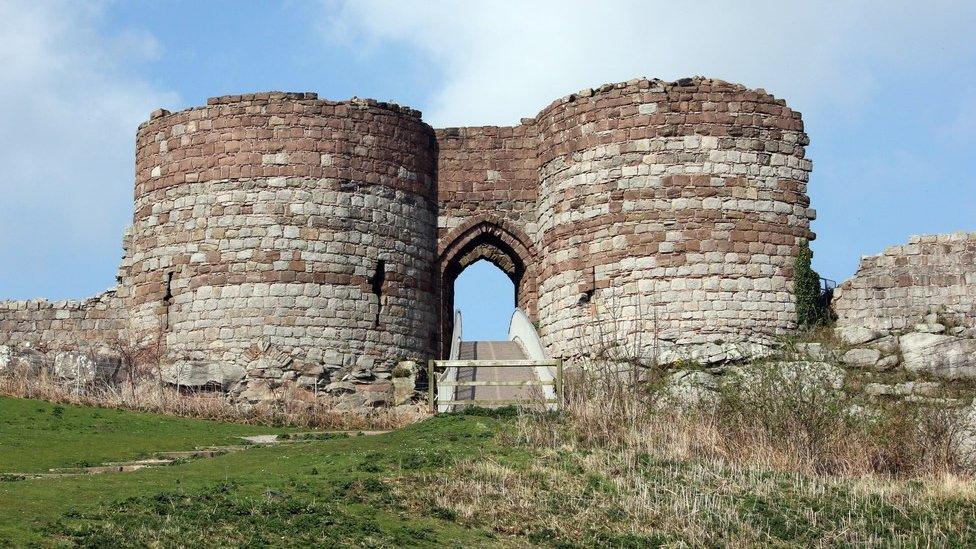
861, 357
939, 355
202, 375
856, 335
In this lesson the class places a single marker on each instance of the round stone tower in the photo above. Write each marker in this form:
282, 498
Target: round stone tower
668, 212
278, 219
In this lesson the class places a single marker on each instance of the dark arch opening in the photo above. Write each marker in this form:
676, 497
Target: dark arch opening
504, 247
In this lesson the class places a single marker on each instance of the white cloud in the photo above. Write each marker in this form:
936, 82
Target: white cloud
505, 60
69, 108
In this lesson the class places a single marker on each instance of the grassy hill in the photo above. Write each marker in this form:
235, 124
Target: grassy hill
457, 480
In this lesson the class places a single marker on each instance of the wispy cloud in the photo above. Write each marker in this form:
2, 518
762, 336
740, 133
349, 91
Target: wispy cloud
507, 59
872, 78
70, 107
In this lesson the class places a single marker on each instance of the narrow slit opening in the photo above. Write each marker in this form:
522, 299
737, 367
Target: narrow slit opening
376, 283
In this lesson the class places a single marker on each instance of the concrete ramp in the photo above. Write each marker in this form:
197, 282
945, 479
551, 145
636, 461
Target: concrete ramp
489, 351
496, 373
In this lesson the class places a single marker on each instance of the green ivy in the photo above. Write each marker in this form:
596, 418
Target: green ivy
806, 288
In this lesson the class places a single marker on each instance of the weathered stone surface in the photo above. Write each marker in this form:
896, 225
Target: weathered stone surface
887, 345
930, 280
887, 363
864, 358
85, 367
202, 374
6, 357
918, 388
939, 355
856, 335
259, 390
933, 328
803, 376
688, 389
340, 387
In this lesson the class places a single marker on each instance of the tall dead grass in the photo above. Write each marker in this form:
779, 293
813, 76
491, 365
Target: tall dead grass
784, 420
292, 407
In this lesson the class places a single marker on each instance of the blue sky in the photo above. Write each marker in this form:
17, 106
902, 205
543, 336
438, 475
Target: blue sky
887, 90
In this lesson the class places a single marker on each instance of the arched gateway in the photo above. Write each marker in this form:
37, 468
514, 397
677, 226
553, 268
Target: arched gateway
493, 239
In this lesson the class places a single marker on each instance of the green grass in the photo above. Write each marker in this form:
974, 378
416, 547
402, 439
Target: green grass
450, 481
324, 492
36, 436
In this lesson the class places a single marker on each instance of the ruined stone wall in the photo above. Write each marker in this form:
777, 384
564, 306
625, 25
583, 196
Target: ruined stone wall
674, 208
282, 221
79, 324
896, 289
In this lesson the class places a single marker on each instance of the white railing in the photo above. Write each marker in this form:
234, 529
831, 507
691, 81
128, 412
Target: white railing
522, 331
449, 377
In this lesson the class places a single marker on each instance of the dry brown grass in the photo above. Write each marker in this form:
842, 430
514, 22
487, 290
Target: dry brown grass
770, 419
773, 462
293, 407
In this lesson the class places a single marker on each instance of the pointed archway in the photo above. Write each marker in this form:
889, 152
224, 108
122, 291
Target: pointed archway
501, 243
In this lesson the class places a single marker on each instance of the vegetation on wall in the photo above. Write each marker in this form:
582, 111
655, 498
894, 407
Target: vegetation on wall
806, 288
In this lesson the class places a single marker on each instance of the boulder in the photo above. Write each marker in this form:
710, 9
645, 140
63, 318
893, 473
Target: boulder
888, 345
939, 355
863, 358
887, 363
202, 375
688, 389
933, 328
86, 367
340, 387
258, 390
856, 335
6, 357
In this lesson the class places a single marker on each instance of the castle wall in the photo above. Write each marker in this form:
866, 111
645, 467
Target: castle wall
324, 237
896, 289
673, 209
487, 169
286, 220
96, 322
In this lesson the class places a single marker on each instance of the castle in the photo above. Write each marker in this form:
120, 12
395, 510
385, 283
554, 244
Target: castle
317, 236
333, 231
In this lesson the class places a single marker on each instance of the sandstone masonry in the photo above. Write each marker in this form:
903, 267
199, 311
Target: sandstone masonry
896, 289
317, 242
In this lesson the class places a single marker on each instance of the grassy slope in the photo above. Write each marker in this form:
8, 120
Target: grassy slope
335, 481
395, 490
37, 436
